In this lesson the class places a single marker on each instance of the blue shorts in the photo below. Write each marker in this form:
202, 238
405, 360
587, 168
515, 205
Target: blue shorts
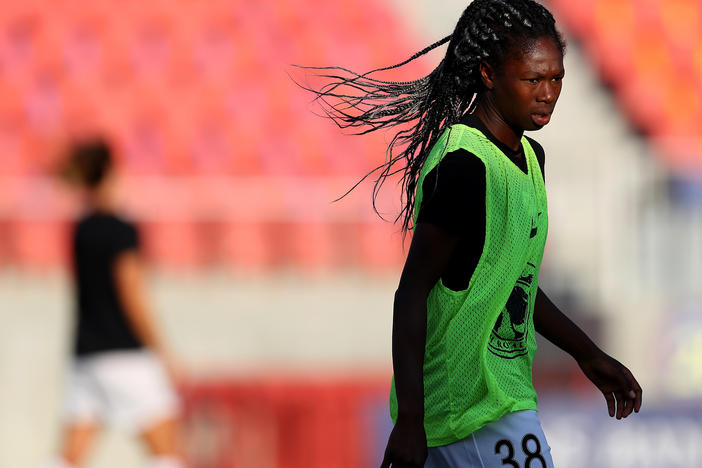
514, 441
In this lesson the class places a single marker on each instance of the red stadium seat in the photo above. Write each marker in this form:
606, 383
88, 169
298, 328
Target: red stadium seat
643, 102
151, 143
312, 246
217, 50
144, 146
613, 38
681, 20
77, 36
651, 56
649, 50
15, 141
381, 247
247, 106
208, 138
14, 149
172, 244
579, 16
43, 105
39, 244
244, 158
89, 109
247, 246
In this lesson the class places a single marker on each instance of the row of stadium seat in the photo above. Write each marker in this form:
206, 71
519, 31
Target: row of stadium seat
253, 223
79, 54
41, 245
253, 129
650, 52
187, 90
206, 147
197, 88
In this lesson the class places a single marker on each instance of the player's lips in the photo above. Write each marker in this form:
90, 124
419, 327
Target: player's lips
541, 118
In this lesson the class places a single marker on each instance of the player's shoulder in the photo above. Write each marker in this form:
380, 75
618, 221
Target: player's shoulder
116, 221
457, 170
124, 233
123, 222
536, 146
108, 224
461, 159
124, 227
461, 166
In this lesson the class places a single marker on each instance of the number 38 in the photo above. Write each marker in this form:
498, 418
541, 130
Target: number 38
532, 455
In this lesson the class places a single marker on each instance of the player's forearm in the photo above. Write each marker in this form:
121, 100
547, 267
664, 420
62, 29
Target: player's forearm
146, 331
553, 325
409, 328
129, 282
143, 324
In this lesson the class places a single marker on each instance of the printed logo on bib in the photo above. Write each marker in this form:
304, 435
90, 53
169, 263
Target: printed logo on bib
509, 335
534, 226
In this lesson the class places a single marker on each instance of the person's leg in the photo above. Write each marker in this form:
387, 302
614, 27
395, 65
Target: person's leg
83, 409
163, 437
78, 439
163, 442
76, 443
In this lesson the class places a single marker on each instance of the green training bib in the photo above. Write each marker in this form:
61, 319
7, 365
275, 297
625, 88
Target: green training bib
481, 342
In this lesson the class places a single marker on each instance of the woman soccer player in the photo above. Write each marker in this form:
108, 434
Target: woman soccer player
468, 303
120, 373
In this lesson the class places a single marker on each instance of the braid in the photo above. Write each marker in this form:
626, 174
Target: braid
487, 31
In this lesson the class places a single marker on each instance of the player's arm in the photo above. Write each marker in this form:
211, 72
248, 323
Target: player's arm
128, 274
428, 255
614, 380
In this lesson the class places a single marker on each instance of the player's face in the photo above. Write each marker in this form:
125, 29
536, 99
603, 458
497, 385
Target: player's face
528, 85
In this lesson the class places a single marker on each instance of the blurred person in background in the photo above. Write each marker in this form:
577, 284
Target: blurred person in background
468, 303
122, 371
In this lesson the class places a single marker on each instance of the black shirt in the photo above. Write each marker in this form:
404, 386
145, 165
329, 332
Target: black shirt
102, 323
453, 197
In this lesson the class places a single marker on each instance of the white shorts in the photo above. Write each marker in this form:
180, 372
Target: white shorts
127, 388
514, 441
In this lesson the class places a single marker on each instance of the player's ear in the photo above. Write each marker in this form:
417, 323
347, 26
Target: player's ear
487, 75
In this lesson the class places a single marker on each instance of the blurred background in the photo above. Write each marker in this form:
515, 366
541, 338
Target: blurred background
277, 300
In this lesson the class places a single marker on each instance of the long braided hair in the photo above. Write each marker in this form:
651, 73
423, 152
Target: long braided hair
487, 31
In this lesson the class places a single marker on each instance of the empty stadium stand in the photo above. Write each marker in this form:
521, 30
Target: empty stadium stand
224, 162
650, 53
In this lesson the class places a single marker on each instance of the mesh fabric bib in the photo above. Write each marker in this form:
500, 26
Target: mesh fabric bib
480, 342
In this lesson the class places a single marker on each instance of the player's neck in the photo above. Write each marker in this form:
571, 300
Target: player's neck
101, 199
487, 112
